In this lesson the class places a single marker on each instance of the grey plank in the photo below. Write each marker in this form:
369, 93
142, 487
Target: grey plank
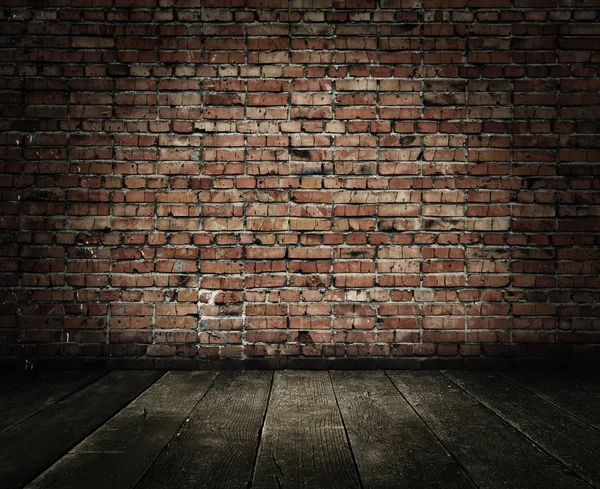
12, 379
569, 440
492, 452
392, 446
119, 453
33, 445
35, 396
304, 443
577, 397
217, 447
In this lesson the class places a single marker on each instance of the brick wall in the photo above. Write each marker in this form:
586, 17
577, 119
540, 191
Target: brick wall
281, 179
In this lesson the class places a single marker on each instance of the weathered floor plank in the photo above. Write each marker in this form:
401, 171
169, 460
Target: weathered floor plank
571, 441
591, 376
11, 379
392, 446
492, 452
217, 447
33, 445
35, 396
579, 398
119, 453
304, 444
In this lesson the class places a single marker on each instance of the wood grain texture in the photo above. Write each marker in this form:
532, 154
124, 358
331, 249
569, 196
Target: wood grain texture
577, 397
12, 379
491, 451
392, 446
217, 447
119, 453
571, 441
591, 376
304, 444
41, 393
33, 445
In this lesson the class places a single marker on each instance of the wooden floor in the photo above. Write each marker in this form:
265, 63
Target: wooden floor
299, 429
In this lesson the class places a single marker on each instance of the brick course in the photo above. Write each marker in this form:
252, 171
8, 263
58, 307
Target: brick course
239, 179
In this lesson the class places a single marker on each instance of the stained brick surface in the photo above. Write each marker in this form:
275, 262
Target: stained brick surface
283, 178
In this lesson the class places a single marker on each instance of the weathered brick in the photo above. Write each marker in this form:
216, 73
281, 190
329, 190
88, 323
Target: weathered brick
305, 177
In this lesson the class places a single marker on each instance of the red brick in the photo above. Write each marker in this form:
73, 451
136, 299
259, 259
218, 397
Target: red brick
360, 188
